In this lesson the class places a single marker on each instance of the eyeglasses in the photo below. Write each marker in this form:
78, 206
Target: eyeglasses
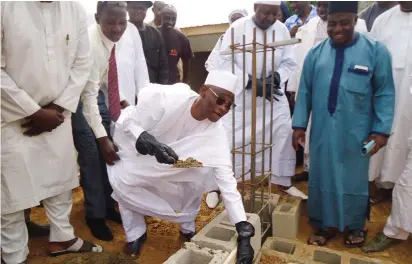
221, 101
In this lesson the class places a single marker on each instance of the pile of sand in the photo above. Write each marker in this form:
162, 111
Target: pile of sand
100, 258
266, 259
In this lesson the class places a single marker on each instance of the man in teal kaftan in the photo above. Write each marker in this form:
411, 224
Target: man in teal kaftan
348, 87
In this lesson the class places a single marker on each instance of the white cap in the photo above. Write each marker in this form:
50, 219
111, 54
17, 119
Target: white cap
222, 79
277, 3
242, 12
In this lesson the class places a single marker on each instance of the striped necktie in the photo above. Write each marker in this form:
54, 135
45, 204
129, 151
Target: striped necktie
113, 88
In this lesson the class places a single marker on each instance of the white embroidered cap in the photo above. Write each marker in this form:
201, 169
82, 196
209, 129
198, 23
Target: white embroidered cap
222, 79
277, 3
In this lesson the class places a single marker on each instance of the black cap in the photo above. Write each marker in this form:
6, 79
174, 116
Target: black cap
343, 7
148, 4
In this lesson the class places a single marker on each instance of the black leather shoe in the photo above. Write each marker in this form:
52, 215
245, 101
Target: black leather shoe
113, 215
36, 230
99, 229
304, 176
187, 236
133, 248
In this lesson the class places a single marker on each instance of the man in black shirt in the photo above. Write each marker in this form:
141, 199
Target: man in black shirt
177, 46
152, 41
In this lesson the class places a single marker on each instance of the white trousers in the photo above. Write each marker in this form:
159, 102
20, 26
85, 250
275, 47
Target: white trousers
394, 232
134, 224
285, 181
14, 234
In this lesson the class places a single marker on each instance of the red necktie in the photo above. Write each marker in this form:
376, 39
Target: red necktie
114, 97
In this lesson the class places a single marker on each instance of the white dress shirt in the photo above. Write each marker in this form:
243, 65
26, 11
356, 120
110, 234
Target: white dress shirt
131, 68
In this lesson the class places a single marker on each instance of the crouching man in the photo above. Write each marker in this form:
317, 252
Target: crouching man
175, 123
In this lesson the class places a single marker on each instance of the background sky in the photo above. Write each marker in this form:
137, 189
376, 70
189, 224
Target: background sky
191, 13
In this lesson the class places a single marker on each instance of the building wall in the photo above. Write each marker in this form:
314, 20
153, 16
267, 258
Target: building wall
202, 39
198, 72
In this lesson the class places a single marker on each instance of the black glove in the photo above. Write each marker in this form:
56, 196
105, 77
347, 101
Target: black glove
259, 86
146, 144
245, 252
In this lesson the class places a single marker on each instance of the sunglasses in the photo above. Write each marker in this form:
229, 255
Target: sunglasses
221, 101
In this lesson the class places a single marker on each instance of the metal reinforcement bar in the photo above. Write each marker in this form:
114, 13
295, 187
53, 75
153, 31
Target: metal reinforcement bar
238, 48
260, 178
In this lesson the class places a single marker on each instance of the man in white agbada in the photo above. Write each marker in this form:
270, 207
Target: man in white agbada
213, 59
311, 34
45, 63
170, 119
212, 198
283, 155
394, 28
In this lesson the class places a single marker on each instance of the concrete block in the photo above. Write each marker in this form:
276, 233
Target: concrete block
221, 234
322, 255
283, 250
192, 254
361, 261
283, 246
257, 259
285, 218
265, 215
356, 259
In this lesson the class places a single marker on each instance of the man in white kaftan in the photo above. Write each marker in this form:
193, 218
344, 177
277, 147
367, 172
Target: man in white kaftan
399, 225
394, 29
213, 59
171, 119
283, 155
311, 34
45, 62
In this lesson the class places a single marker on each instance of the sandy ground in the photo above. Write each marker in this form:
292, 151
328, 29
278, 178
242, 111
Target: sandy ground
164, 240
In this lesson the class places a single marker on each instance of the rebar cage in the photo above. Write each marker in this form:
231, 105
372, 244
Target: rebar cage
258, 200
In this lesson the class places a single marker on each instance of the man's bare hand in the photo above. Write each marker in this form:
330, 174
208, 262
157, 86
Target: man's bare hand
44, 120
54, 107
124, 104
298, 136
294, 30
292, 99
380, 142
109, 150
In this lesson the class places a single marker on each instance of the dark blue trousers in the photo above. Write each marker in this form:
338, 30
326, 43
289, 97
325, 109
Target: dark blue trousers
93, 173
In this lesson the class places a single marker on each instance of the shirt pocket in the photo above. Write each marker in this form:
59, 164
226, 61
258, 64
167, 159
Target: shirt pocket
69, 41
357, 87
71, 48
